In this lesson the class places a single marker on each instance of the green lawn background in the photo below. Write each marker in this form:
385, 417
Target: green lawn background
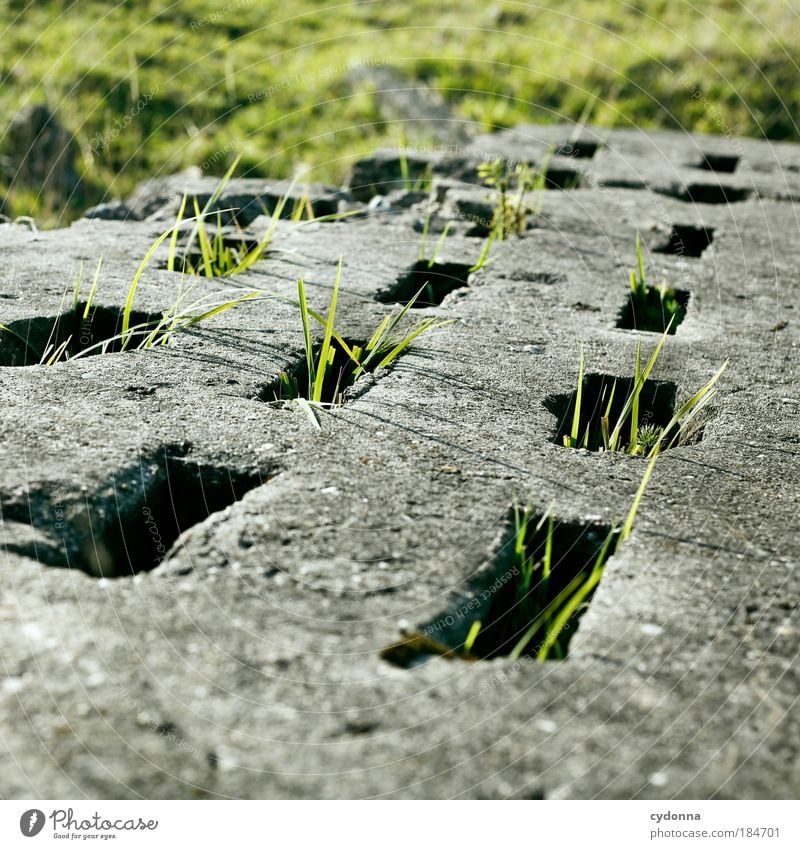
271, 81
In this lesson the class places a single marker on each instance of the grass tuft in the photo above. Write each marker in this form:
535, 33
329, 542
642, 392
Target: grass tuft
334, 365
653, 309
643, 437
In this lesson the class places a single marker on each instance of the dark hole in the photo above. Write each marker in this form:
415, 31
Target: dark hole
25, 341
652, 313
436, 282
184, 494
719, 162
578, 149
656, 408
562, 178
516, 598
687, 240
711, 193
131, 526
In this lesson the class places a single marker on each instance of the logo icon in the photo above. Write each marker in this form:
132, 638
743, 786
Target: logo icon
31, 822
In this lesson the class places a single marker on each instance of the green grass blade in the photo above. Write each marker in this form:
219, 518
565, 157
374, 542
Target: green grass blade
424, 242
126, 313
483, 259
173, 242
379, 333
426, 325
93, 290
215, 196
568, 610
189, 321
326, 352
548, 548
640, 262
474, 630
692, 406
59, 352
251, 258
206, 251
439, 243
637, 389
543, 617
301, 292
576, 415
628, 526
635, 405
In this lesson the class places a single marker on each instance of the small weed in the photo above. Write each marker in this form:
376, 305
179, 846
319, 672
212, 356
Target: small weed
512, 184
653, 309
607, 423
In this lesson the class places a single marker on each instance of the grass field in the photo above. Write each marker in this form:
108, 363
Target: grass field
150, 88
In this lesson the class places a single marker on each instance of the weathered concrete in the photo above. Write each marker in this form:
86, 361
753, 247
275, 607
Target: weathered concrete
247, 664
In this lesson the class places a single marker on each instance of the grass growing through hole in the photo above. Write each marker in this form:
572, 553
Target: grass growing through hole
546, 607
423, 248
653, 308
512, 183
539, 611
183, 314
216, 256
335, 364
644, 437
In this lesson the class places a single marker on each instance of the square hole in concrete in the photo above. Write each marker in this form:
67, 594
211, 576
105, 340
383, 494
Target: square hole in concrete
29, 341
558, 177
434, 282
719, 162
656, 409
520, 604
712, 193
652, 313
687, 240
580, 149
132, 523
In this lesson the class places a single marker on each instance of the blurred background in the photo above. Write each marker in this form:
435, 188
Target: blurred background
97, 96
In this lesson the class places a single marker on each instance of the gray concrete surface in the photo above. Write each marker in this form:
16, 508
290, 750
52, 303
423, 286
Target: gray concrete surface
247, 664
